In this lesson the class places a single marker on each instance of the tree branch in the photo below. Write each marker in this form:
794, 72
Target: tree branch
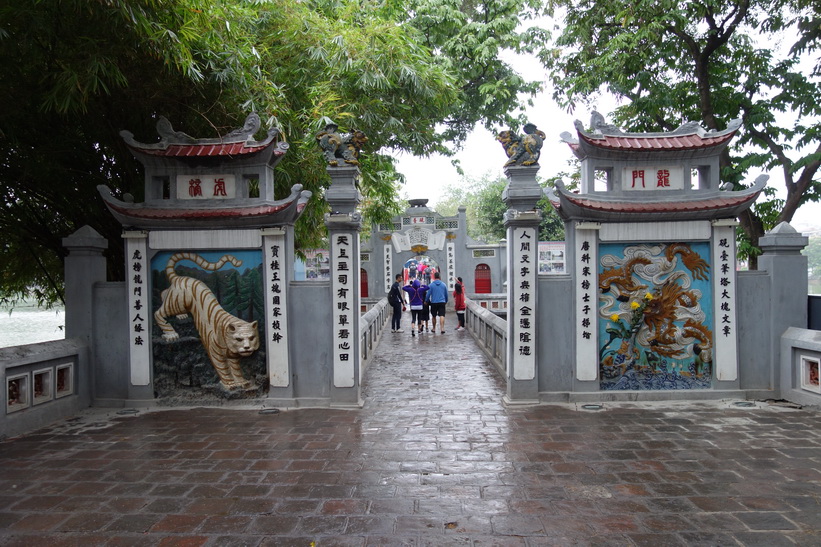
778, 151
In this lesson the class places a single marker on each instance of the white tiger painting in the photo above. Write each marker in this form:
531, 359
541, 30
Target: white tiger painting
226, 338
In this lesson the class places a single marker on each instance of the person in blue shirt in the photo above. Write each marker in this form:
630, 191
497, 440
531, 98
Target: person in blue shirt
416, 295
438, 301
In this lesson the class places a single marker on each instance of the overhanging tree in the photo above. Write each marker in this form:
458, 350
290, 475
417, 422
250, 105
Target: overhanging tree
76, 72
707, 61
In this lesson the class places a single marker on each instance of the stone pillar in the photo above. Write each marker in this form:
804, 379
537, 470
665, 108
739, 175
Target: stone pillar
85, 265
138, 297
463, 261
787, 267
343, 225
278, 252
522, 222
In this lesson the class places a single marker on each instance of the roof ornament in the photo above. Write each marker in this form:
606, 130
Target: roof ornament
344, 147
522, 150
599, 128
170, 137
599, 125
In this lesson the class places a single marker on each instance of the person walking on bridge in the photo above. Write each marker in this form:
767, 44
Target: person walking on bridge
459, 303
416, 293
396, 298
438, 301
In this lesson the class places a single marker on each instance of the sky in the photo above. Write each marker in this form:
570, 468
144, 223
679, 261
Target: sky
428, 177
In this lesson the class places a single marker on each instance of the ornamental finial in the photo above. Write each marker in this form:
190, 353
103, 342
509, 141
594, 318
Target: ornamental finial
522, 150
340, 146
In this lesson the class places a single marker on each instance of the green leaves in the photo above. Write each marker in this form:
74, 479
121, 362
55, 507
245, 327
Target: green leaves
710, 62
485, 209
415, 77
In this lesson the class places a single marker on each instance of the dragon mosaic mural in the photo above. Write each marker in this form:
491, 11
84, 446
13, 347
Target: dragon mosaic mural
655, 305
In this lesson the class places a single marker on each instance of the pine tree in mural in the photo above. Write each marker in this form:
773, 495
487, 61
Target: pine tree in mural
251, 304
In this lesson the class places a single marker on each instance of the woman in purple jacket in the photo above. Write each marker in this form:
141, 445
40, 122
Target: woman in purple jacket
416, 295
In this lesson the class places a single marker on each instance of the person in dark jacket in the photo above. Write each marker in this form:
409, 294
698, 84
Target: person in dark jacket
459, 303
396, 298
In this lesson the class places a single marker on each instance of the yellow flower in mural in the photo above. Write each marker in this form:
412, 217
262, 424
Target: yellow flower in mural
634, 305
648, 296
614, 318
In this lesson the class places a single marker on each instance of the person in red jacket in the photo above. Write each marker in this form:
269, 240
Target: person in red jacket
459, 303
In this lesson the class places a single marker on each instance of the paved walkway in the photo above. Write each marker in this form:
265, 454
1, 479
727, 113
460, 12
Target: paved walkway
433, 458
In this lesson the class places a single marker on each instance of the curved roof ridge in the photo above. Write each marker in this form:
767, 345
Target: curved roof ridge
242, 139
688, 136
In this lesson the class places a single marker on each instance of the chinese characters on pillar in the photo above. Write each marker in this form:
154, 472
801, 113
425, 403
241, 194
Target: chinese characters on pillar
725, 360
138, 289
388, 268
451, 265
653, 178
524, 253
725, 297
139, 308
586, 285
276, 309
276, 290
586, 271
345, 309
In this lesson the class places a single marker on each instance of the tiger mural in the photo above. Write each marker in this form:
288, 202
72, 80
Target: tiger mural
225, 338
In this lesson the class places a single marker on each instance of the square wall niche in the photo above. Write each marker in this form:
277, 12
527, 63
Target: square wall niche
64, 381
810, 367
42, 384
17, 393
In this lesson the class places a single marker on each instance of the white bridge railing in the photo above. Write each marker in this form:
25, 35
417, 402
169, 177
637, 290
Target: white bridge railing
490, 332
495, 302
371, 325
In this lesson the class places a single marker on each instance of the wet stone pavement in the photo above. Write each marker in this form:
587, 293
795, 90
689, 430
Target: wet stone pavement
433, 458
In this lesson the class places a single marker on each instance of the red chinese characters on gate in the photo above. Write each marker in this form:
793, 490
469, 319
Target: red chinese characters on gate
206, 187
638, 177
653, 178
663, 178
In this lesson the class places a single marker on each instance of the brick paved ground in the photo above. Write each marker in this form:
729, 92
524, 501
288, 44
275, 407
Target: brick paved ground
433, 458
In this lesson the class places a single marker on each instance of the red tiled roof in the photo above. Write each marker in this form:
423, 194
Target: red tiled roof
193, 214
679, 142
659, 206
200, 150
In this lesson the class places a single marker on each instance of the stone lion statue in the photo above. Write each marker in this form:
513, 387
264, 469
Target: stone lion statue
340, 146
522, 150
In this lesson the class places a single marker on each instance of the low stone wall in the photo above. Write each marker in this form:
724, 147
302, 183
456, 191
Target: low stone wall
495, 302
800, 366
43, 383
490, 332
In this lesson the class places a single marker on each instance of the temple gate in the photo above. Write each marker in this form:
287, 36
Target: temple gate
423, 233
651, 244
210, 260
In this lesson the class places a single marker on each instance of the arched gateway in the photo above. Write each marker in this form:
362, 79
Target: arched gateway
421, 232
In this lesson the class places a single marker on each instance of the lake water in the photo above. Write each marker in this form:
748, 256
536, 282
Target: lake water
28, 324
